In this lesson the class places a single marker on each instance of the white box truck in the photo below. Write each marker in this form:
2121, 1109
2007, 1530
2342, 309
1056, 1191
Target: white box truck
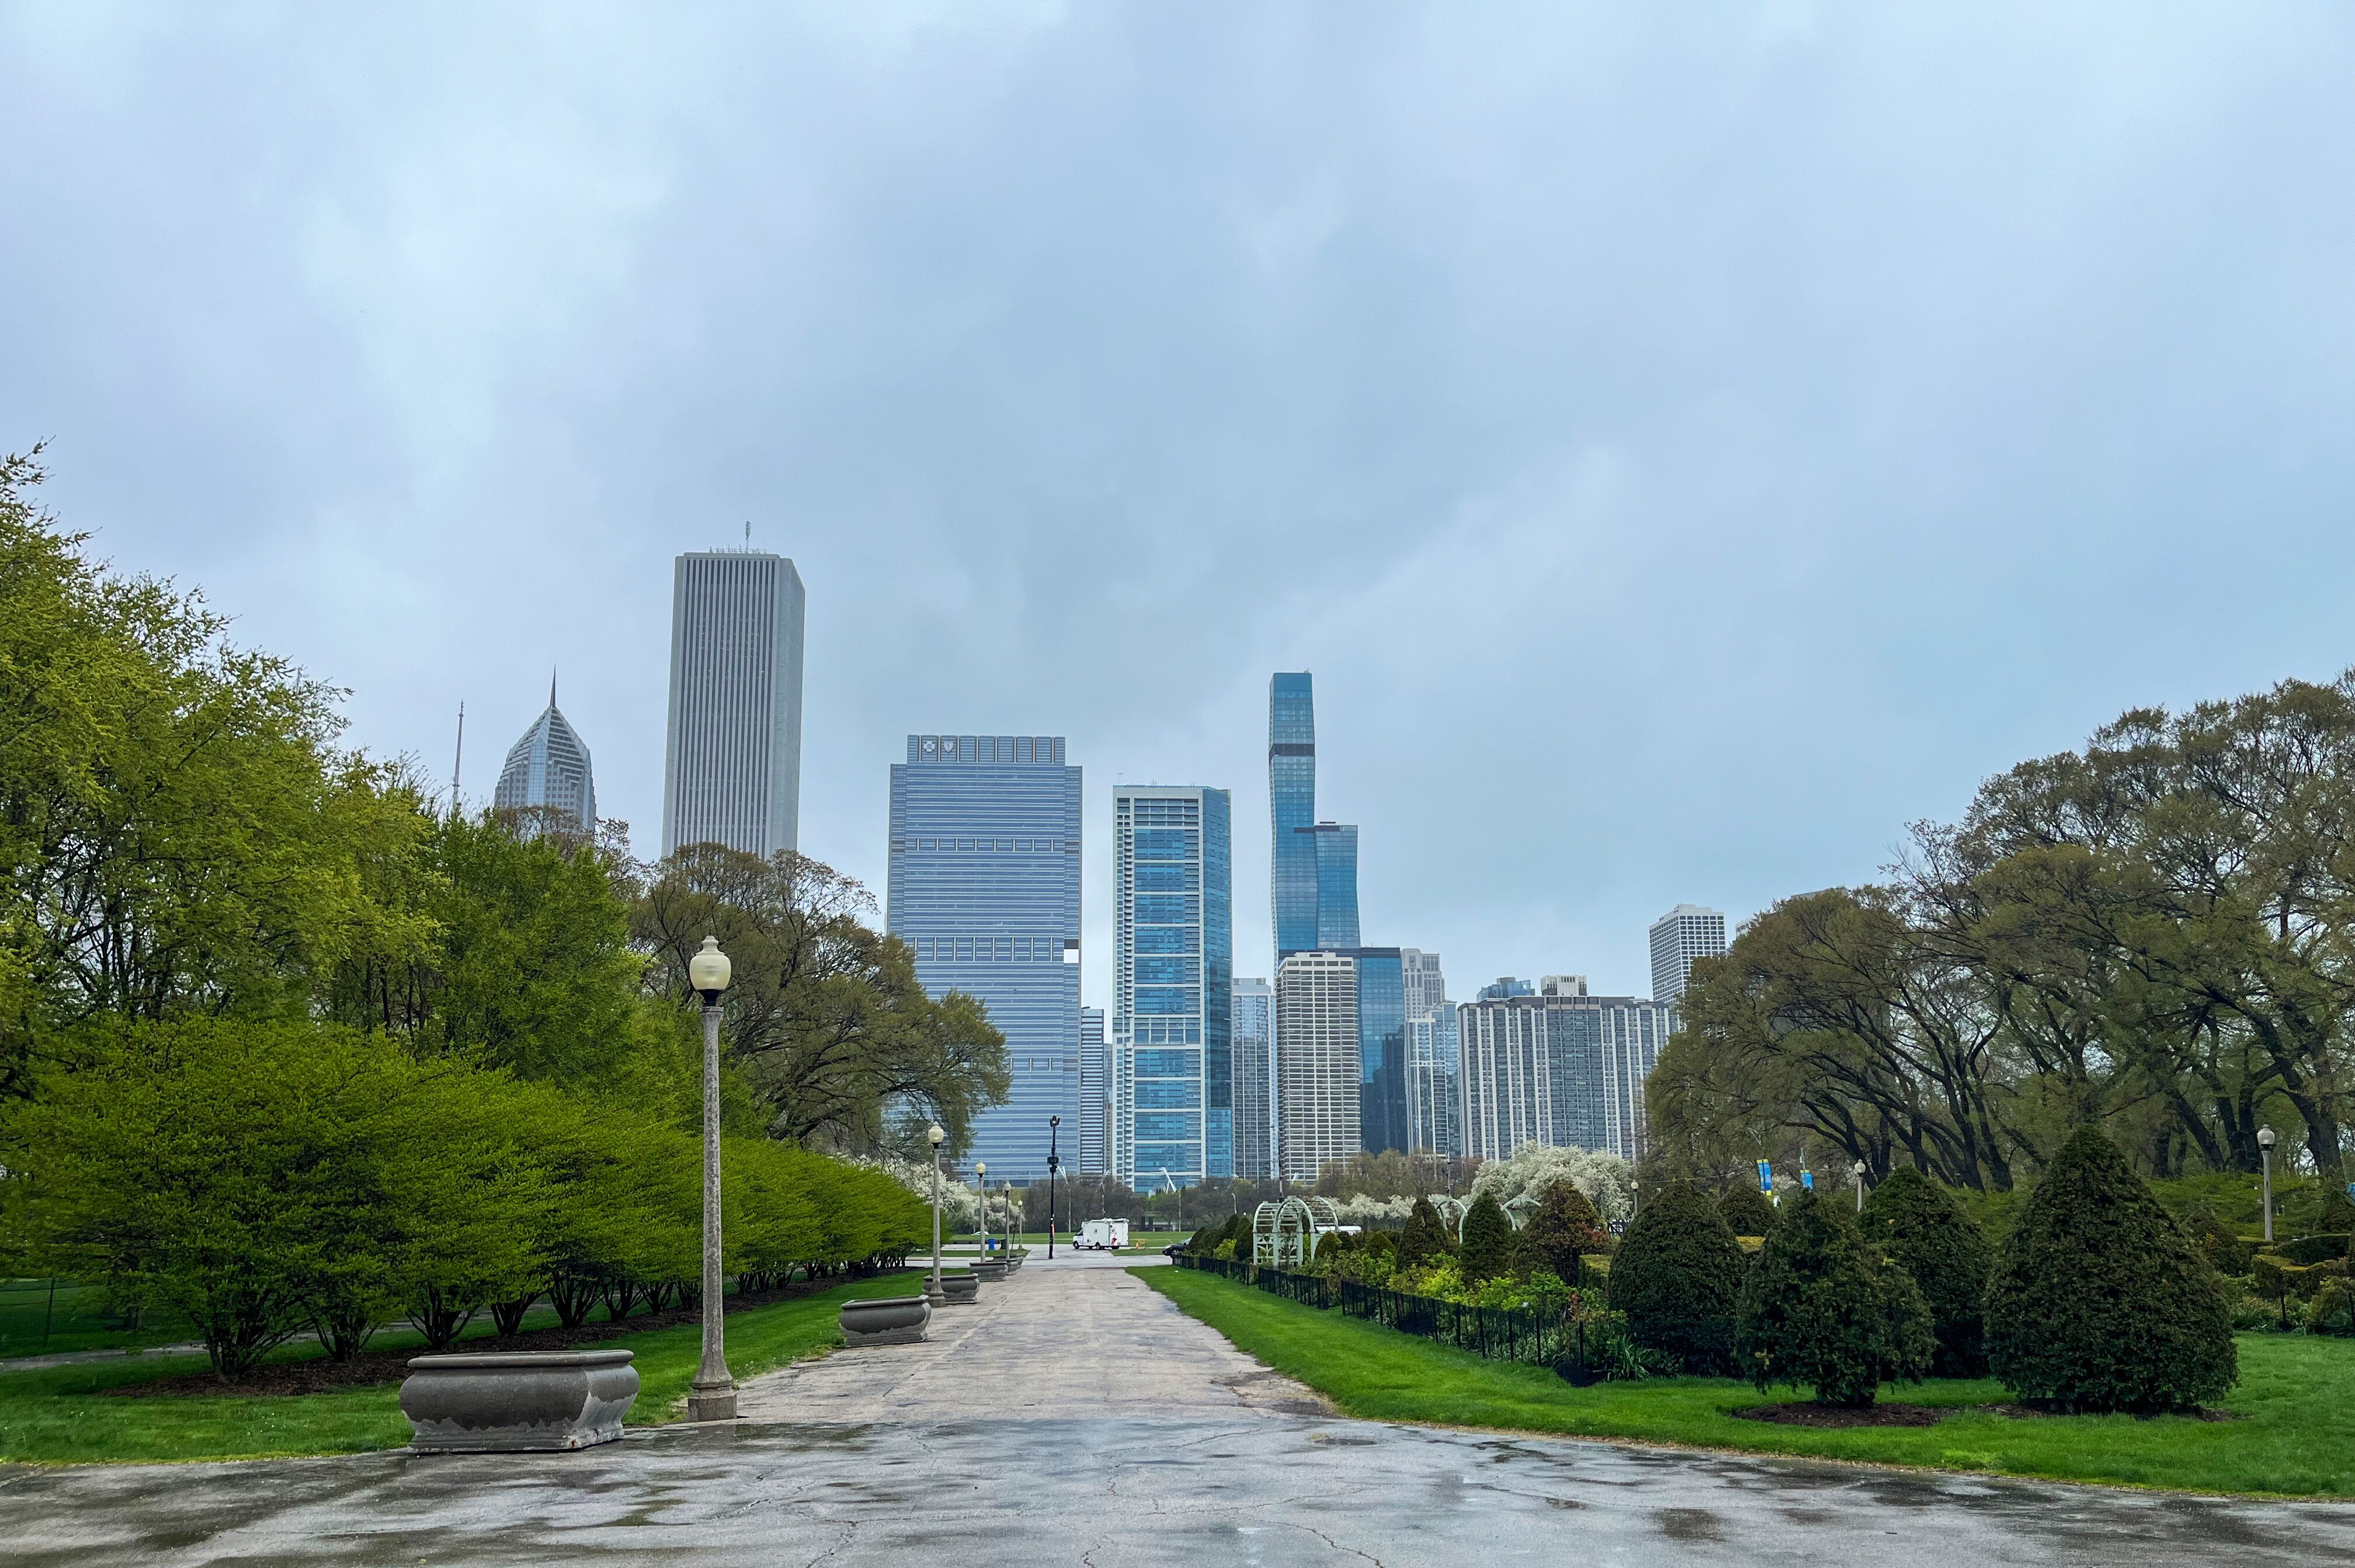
1101, 1235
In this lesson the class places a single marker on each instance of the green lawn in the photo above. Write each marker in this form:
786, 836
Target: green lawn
2296, 1398
73, 1319
57, 1416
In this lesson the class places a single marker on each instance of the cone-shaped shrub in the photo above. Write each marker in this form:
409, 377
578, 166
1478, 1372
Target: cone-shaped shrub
1675, 1274
2098, 1302
1564, 1228
1920, 1228
1746, 1211
1425, 1238
1488, 1240
1822, 1308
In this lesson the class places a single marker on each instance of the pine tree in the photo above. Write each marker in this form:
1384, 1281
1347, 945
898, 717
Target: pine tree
1425, 1238
2098, 1302
1488, 1249
1564, 1228
1922, 1230
1821, 1308
1676, 1274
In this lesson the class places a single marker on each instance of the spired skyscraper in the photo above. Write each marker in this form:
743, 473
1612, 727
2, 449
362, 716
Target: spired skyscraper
1174, 1102
984, 889
732, 760
1313, 864
549, 768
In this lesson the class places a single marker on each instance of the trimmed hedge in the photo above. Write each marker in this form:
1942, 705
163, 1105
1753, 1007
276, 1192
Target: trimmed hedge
1746, 1211
2098, 1302
1564, 1228
1424, 1239
1488, 1241
1922, 1230
1677, 1273
1822, 1308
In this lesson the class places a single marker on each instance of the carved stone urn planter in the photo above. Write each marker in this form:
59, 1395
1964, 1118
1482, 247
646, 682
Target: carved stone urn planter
886, 1320
517, 1403
989, 1271
961, 1289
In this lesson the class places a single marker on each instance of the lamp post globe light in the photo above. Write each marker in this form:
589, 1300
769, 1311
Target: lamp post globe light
712, 1396
933, 1292
1858, 1171
2265, 1161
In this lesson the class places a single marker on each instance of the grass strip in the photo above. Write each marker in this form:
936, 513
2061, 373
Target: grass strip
2293, 1435
56, 1416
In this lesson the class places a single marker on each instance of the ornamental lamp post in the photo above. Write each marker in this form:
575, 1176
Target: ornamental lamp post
1052, 1161
932, 1291
712, 1395
981, 1184
1858, 1171
2265, 1160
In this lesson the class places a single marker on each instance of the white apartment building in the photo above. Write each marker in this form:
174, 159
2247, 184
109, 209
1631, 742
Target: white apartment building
1316, 1070
1686, 932
733, 755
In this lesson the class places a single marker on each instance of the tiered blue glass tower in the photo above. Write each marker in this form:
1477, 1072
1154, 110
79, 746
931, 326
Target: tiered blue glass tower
985, 887
1292, 794
1174, 941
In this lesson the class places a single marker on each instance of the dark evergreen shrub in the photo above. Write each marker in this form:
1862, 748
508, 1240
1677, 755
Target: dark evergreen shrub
2226, 1251
1424, 1237
2098, 1301
1488, 1249
2338, 1214
1747, 1213
1821, 1307
2316, 1249
1922, 1230
2332, 1310
1676, 1274
1564, 1228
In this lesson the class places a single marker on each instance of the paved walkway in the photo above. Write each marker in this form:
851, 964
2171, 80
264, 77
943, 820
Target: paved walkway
1077, 1419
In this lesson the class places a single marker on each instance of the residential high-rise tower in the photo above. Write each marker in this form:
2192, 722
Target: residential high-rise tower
1317, 1089
1253, 1027
1173, 926
733, 757
984, 889
1564, 1068
1686, 932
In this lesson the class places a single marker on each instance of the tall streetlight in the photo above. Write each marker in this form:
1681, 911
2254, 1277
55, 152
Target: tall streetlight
712, 1395
1054, 1163
932, 1291
2265, 1159
1858, 1171
981, 1184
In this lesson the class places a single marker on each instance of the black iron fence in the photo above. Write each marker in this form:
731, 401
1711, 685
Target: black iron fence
1562, 1341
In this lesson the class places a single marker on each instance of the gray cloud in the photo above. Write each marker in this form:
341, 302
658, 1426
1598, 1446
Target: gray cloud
1685, 445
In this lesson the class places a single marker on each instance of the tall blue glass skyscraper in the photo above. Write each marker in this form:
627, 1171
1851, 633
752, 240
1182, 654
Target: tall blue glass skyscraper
1174, 949
1313, 864
1292, 797
985, 887
1383, 1121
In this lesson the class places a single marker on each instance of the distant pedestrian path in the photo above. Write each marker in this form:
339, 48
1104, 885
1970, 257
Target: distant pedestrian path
1065, 1342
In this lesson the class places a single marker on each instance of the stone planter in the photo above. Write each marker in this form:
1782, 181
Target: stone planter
961, 1289
523, 1401
886, 1320
991, 1271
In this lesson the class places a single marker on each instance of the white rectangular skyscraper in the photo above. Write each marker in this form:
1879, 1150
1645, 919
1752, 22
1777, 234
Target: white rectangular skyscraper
1316, 1062
732, 760
1686, 932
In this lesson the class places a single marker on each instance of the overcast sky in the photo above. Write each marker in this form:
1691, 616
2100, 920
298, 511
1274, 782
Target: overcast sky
1686, 443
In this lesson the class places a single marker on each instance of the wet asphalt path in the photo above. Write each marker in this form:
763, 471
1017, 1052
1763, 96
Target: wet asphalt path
1204, 1460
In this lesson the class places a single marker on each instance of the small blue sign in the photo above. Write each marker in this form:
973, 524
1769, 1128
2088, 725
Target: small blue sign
1765, 1177
1807, 1179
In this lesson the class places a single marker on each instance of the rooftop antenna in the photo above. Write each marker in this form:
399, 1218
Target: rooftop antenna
458, 764
748, 533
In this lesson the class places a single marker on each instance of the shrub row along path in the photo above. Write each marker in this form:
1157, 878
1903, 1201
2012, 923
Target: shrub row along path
1076, 1417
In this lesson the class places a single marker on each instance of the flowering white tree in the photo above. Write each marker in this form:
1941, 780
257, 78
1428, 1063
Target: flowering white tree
1606, 1178
1360, 1210
960, 1204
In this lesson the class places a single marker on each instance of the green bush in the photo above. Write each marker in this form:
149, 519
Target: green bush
1820, 1307
2337, 1215
2098, 1302
2227, 1252
1746, 1210
1424, 1239
1488, 1242
1922, 1230
2332, 1310
1564, 1228
1676, 1275
2316, 1249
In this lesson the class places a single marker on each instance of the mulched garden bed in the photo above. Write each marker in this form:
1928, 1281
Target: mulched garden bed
373, 1368
1808, 1414
2036, 1409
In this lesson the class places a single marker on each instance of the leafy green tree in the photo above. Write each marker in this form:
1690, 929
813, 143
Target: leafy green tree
1922, 1230
825, 1022
1746, 1210
2098, 1302
1563, 1229
1676, 1275
1488, 1242
1821, 1308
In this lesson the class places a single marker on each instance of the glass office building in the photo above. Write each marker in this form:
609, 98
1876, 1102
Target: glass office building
1095, 1092
1382, 1120
1253, 1026
1173, 985
732, 753
984, 887
1292, 798
548, 770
